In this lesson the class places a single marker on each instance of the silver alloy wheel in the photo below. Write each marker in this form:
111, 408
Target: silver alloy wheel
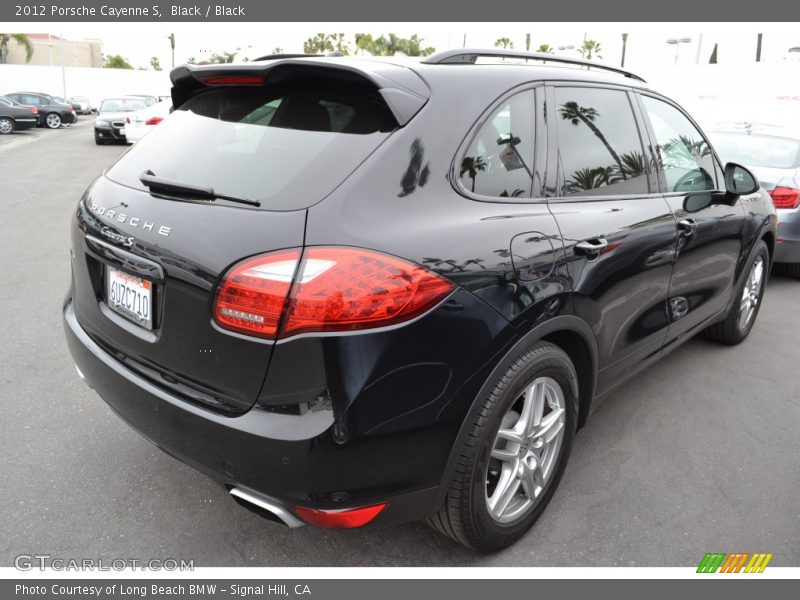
53, 121
525, 450
751, 294
6, 126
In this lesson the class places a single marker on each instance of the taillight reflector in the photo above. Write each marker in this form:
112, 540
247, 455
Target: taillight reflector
34, 110
346, 519
234, 80
252, 295
333, 289
154, 121
785, 197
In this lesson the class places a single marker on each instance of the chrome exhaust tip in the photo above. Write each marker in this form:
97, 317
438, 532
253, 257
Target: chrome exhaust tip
265, 506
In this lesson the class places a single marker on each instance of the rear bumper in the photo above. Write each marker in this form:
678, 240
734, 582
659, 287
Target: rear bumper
23, 124
787, 249
292, 460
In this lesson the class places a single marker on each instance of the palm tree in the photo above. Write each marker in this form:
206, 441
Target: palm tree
21, 39
590, 179
319, 44
570, 111
277, 50
364, 42
589, 48
155, 63
504, 42
337, 39
471, 166
413, 47
545, 49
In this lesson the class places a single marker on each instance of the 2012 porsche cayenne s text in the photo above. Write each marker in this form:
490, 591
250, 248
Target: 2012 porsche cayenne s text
354, 291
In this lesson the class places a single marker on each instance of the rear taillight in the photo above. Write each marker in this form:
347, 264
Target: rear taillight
69, 108
128, 120
347, 518
332, 289
785, 197
154, 121
34, 110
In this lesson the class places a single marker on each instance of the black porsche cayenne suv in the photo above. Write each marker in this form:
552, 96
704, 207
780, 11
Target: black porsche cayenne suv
353, 291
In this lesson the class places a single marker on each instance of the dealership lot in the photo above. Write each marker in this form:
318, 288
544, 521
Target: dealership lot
701, 453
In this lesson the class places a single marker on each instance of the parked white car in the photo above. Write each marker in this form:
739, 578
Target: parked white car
139, 123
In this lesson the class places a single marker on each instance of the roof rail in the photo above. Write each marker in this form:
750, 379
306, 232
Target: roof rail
469, 56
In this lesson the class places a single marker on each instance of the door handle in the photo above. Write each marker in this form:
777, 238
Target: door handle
687, 227
591, 247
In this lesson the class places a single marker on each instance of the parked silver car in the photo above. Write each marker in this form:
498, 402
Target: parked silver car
773, 154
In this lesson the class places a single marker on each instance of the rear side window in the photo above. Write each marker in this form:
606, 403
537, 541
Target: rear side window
499, 160
599, 149
756, 150
686, 159
286, 146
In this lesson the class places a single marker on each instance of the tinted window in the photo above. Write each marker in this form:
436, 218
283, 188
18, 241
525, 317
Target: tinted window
499, 160
600, 152
31, 100
685, 156
757, 150
287, 146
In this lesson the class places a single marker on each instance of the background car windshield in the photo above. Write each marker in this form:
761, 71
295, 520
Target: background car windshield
122, 105
757, 150
285, 147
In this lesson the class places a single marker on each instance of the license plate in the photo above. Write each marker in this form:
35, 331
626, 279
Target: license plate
121, 131
130, 296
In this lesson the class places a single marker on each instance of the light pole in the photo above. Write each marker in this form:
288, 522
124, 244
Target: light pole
677, 43
624, 47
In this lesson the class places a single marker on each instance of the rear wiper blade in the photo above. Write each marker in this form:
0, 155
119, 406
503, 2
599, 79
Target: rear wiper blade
169, 186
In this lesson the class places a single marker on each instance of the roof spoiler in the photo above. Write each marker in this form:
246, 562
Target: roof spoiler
404, 92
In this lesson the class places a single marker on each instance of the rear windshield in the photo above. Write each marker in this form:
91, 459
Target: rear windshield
757, 150
122, 105
284, 146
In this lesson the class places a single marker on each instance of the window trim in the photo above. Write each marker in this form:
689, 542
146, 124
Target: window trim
662, 184
557, 186
536, 192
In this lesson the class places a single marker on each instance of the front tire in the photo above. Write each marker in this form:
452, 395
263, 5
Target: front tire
515, 453
7, 126
738, 323
53, 121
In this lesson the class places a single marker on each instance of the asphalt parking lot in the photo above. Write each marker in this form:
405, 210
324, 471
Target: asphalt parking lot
701, 453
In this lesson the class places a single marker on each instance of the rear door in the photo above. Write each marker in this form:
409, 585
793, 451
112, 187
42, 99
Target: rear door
619, 234
710, 239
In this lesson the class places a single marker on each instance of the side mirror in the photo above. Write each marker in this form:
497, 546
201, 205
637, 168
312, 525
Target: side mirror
740, 181
697, 202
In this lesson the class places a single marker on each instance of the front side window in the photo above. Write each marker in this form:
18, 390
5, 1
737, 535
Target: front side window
600, 152
499, 161
685, 157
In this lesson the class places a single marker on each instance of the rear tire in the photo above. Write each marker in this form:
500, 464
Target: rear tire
738, 323
793, 270
475, 512
7, 126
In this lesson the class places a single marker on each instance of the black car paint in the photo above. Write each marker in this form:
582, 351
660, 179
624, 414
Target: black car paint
46, 105
22, 116
349, 419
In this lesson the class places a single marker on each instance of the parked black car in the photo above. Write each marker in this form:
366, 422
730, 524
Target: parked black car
112, 117
15, 116
52, 113
357, 292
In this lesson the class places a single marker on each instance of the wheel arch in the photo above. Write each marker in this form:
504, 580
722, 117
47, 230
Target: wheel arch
575, 337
